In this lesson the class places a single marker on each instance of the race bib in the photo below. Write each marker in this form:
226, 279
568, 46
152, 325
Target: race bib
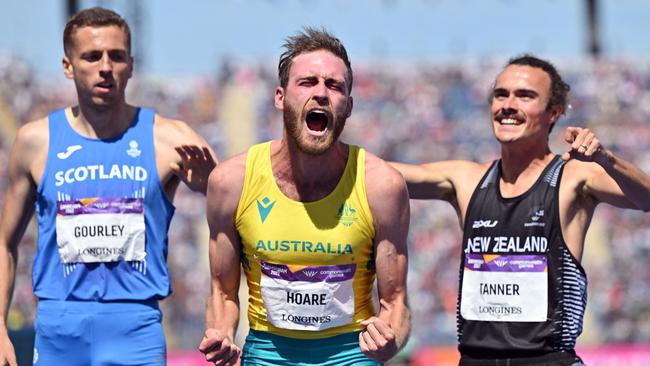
511, 288
96, 230
308, 298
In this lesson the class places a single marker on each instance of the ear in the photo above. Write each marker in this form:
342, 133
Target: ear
279, 98
131, 63
556, 112
349, 107
68, 69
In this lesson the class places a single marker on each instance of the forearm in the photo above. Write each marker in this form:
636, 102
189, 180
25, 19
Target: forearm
222, 313
633, 182
398, 315
8, 260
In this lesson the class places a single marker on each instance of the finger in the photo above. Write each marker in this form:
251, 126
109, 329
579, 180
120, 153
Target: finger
182, 153
372, 319
209, 342
234, 356
371, 346
362, 343
386, 305
176, 167
383, 329
373, 337
570, 134
229, 356
566, 156
207, 154
193, 151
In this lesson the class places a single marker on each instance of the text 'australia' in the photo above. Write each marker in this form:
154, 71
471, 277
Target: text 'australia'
304, 246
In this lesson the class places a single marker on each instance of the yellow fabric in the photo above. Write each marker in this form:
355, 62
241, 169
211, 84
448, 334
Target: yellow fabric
338, 230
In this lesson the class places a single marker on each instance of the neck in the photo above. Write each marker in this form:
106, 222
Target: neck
306, 177
102, 122
519, 160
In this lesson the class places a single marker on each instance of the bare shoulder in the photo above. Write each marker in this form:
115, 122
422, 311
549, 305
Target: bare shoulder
577, 174
226, 180
32, 140
381, 177
175, 132
34, 133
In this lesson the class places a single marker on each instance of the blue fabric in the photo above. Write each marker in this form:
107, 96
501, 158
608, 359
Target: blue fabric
266, 349
86, 333
78, 167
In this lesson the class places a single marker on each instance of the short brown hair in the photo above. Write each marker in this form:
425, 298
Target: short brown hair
94, 17
310, 40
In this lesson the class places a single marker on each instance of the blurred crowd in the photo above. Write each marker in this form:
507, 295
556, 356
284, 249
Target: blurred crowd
406, 112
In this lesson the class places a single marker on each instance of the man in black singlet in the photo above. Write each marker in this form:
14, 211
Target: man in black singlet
522, 292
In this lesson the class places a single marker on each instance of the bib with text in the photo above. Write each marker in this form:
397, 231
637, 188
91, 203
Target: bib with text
511, 288
308, 298
96, 230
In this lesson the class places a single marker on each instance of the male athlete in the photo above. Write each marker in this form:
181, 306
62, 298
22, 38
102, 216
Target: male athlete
525, 216
312, 220
101, 176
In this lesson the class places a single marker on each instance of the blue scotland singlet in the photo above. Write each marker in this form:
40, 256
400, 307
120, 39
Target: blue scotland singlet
102, 216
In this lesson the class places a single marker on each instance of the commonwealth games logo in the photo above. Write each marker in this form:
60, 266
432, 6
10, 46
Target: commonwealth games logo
347, 214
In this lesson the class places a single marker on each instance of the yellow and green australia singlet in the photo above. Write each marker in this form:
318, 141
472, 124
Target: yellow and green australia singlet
309, 265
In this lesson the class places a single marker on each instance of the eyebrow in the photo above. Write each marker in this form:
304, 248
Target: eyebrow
519, 91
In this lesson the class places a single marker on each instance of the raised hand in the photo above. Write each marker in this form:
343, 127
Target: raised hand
195, 167
584, 145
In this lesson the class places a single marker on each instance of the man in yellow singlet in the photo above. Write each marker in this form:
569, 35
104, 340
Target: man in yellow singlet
312, 221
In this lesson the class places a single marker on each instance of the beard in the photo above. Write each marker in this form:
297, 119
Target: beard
308, 144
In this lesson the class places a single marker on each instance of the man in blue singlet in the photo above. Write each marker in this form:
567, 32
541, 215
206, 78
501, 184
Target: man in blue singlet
522, 292
101, 177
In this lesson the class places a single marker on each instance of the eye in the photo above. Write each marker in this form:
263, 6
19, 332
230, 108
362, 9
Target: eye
91, 56
500, 94
307, 81
118, 56
334, 85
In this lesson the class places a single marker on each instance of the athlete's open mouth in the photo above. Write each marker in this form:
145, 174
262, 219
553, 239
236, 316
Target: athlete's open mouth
317, 120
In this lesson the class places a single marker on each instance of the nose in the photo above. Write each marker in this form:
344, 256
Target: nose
105, 65
321, 94
510, 104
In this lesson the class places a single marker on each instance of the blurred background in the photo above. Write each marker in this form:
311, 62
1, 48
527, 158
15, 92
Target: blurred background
422, 70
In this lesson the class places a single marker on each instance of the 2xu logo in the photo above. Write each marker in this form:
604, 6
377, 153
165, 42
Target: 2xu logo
484, 223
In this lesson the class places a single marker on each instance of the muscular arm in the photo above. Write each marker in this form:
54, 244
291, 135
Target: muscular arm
222, 314
612, 179
388, 200
182, 155
453, 181
428, 181
18, 209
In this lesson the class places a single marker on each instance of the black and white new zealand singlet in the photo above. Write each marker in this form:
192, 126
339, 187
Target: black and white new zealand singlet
522, 293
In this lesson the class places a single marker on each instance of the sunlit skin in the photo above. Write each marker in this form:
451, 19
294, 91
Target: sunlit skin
100, 64
519, 106
316, 82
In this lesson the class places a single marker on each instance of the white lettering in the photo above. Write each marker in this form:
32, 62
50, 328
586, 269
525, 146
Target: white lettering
95, 172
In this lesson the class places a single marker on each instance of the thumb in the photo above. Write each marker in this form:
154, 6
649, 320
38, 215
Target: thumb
176, 167
368, 321
570, 134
